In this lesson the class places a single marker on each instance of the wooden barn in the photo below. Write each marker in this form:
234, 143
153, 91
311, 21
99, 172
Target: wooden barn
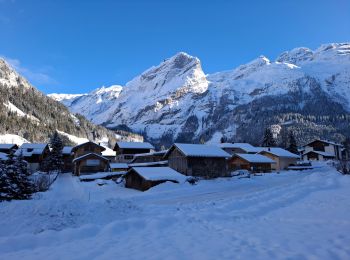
34, 154
125, 151
198, 160
144, 178
88, 159
250, 162
282, 157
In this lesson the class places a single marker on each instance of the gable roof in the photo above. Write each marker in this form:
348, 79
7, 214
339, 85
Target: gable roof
280, 152
133, 145
89, 142
28, 149
199, 150
159, 173
254, 158
323, 141
244, 146
90, 154
321, 153
8, 146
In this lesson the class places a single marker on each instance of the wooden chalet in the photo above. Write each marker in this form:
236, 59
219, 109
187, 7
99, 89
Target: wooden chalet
198, 160
125, 151
233, 148
321, 150
88, 159
34, 154
8, 148
282, 157
67, 157
144, 178
251, 162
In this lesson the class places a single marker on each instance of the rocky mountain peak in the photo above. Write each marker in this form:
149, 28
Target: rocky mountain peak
296, 55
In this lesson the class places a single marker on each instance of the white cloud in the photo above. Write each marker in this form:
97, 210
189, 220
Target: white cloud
39, 77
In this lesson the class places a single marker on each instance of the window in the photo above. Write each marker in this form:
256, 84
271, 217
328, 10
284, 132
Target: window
92, 162
128, 157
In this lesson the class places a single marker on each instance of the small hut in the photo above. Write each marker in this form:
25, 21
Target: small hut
90, 163
251, 162
88, 159
144, 178
198, 160
282, 157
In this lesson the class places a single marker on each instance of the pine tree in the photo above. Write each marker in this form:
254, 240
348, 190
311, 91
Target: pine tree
5, 184
54, 161
292, 147
14, 179
268, 140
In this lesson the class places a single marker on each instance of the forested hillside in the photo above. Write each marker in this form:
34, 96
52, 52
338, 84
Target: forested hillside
27, 112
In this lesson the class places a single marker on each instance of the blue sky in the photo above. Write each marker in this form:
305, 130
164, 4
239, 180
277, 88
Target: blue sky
76, 46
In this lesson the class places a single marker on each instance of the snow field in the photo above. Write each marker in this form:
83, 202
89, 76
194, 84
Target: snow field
292, 215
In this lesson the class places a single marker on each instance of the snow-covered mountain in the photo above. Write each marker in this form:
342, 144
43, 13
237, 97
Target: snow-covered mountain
177, 101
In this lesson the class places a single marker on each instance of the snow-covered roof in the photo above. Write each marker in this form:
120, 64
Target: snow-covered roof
201, 150
280, 152
159, 173
3, 156
118, 165
321, 153
148, 164
77, 146
108, 152
159, 153
28, 149
67, 150
254, 158
89, 154
244, 146
7, 146
134, 145
324, 141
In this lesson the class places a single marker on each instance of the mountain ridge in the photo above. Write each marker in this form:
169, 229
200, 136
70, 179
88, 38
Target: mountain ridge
177, 101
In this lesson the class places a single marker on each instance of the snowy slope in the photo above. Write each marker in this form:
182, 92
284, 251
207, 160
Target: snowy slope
292, 215
177, 101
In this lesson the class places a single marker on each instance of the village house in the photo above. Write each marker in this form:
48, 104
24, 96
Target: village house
125, 151
198, 160
67, 157
250, 162
321, 150
144, 178
34, 154
233, 148
282, 157
8, 148
88, 159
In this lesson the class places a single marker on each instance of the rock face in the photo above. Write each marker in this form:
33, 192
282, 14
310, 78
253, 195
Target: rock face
303, 90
